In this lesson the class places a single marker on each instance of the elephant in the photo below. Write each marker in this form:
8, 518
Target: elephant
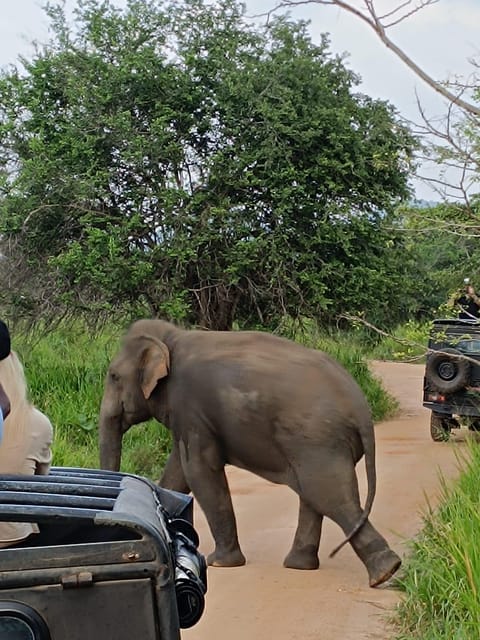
264, 403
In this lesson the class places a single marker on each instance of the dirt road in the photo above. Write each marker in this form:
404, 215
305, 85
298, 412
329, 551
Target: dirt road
264, 601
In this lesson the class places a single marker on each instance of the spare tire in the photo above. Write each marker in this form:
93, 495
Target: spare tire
448, 370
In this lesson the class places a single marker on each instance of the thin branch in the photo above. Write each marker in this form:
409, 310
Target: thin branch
375, 22
397, 10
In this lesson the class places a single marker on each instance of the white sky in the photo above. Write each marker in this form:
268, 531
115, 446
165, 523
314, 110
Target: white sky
440, 38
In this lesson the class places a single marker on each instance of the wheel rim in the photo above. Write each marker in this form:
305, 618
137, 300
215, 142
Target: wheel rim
447, 370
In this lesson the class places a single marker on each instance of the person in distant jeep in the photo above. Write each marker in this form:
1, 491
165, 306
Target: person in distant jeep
467, 303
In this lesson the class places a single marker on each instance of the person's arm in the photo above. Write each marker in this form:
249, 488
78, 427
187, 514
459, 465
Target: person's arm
42, 433
473, 295
455, 300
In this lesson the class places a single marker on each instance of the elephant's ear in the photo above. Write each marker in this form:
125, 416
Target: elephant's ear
156, 365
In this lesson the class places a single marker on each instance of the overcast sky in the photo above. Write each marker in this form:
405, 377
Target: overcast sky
440, 38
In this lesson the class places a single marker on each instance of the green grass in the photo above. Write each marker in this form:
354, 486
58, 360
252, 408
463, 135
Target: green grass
441, 580
407, 343
65, 370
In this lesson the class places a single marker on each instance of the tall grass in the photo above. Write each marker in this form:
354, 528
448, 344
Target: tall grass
65, 370
442, 576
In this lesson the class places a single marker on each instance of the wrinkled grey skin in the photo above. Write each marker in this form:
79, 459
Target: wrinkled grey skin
287, 413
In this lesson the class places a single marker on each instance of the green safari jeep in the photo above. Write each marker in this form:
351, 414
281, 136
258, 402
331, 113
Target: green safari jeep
451, 387
115, 559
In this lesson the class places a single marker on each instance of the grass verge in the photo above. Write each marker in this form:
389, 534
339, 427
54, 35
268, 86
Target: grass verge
441, 578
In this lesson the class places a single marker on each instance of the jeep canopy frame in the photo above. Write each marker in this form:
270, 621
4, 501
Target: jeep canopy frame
116, 557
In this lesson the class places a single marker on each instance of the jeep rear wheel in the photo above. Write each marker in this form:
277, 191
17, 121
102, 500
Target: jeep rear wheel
448, 371
440, 427
474, 424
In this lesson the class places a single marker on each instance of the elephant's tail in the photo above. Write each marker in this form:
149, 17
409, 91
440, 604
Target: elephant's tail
368, 441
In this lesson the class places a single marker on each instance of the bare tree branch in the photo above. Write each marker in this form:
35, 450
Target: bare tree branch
376, 22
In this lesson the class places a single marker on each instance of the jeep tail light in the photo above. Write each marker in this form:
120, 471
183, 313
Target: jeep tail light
435, 397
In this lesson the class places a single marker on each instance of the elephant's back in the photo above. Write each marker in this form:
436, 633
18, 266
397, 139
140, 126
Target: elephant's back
273, 369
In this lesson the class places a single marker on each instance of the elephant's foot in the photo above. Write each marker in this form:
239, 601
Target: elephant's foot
226, 558
381, 566
306, 558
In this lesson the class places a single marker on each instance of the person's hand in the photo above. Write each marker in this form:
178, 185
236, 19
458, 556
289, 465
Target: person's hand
470, 290
4, 402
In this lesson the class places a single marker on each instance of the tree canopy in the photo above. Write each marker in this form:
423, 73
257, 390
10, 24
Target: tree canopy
177, 159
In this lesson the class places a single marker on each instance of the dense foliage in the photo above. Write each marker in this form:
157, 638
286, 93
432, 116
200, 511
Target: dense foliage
175, 159
443, 239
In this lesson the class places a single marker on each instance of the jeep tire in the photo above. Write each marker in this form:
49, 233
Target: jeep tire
440, 426
447, 370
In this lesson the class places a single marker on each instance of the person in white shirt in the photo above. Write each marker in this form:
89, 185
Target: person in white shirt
25, 448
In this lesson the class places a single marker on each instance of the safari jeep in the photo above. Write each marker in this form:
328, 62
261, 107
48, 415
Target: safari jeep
451, 386
115, 558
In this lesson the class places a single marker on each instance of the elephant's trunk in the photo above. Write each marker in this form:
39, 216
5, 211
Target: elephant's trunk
110, 442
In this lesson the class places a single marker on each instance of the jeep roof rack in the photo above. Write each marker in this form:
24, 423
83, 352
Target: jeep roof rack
88, 496
456, 321
127, 542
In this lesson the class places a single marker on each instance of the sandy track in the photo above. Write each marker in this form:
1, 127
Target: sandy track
262, 600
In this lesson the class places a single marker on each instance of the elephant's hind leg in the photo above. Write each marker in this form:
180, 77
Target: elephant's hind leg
371, 547
304, 551
335, 495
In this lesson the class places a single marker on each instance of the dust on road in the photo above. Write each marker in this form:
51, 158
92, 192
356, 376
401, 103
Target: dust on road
264, 601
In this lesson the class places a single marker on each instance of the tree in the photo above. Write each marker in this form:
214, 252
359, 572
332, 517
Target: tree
176, 158
443, 239
452, 143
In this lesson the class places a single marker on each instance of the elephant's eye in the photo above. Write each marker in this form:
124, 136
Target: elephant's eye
114, 377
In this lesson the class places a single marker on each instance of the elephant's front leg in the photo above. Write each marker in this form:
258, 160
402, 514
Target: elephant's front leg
304, 551
173, 477
205, 473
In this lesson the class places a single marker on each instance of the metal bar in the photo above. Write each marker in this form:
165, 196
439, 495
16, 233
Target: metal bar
62, 478
63, 488
36, 513
90, 473
55, 500
76, 554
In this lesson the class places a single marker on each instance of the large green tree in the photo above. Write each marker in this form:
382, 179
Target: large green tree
177, 158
